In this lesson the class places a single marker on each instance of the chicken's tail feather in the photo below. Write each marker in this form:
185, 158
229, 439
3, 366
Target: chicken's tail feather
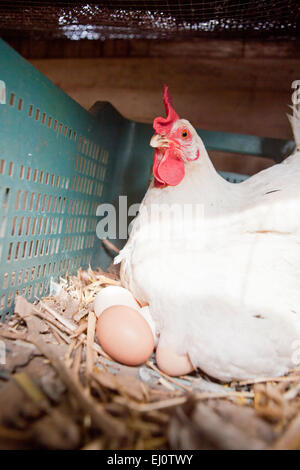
295, 120
295, 123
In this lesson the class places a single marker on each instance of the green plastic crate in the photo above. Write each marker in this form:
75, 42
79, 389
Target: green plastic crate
58, 162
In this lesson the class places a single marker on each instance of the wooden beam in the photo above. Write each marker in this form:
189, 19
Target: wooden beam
197, 47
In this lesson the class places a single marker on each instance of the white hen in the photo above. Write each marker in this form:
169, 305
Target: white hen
223, 282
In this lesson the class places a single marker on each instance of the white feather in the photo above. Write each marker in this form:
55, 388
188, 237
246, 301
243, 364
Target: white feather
295, 123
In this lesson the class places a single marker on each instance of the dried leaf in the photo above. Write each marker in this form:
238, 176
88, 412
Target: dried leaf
90, 353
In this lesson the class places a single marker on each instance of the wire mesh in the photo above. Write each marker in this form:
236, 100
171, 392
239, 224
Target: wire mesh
150, 19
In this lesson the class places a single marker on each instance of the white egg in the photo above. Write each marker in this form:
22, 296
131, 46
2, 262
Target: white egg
148, 317
114, 295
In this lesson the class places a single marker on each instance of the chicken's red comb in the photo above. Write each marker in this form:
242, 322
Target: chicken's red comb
163, 125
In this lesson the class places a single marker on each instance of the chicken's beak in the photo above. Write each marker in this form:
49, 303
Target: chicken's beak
159, 141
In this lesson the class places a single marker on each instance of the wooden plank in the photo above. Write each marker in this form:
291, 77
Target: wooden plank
245, 96
195, 47
108, 49
236, 95
212, 48
139, 48
272, 49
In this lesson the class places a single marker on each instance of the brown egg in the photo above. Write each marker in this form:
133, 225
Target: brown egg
125, 335
170, 362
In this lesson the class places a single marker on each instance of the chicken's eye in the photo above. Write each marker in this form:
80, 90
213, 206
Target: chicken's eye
184, 134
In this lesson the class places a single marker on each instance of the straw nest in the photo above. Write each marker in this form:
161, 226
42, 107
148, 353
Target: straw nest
58, 389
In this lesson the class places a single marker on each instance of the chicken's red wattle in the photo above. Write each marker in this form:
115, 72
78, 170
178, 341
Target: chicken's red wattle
168, 167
